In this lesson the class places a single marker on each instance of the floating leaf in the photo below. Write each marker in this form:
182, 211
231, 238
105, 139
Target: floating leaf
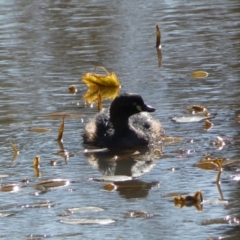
208, 124
159, 55
110, 187
72, 89
66, 235
53, 162
138, 214
36, 162
4, 175
6, 214
16, 152
9, 188
15, 149
158, 46
44, 204
109, 80
117, 178
64, 115
52, 183
85, 209
158, 37
92, 95
188, 201
40, 130
172, 139
232, 220
199, 109
206, 165
87, 221
60, 132
211, 164
36, 166
189, 119
219, 143
199, 74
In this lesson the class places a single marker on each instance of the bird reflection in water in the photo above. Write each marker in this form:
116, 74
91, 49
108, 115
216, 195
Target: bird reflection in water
131, 162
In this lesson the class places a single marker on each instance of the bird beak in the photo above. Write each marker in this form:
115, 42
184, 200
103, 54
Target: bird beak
147, 108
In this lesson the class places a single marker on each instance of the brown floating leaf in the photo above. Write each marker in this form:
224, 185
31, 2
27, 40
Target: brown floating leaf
158, 37
159, 55
60, 132
199, 109
36, 162
9, 188
109, 80
206, 165
209, 163
208, 124
199, 74
15, 149
16, 152
189, 201
158, 46
92, 95
72, 89
110, 187
172, 139
52, 183
64, 115
53, 162
36, 166
40, 130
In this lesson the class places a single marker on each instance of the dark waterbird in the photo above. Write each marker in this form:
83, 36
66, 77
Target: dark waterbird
126, 124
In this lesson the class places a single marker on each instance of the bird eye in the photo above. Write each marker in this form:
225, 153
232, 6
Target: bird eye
139, 108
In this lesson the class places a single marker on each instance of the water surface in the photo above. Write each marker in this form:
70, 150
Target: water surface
47, 46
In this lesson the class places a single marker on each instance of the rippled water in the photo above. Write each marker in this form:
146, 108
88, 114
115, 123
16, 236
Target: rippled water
47, 46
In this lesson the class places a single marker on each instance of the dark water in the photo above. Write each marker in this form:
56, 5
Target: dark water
45, 46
